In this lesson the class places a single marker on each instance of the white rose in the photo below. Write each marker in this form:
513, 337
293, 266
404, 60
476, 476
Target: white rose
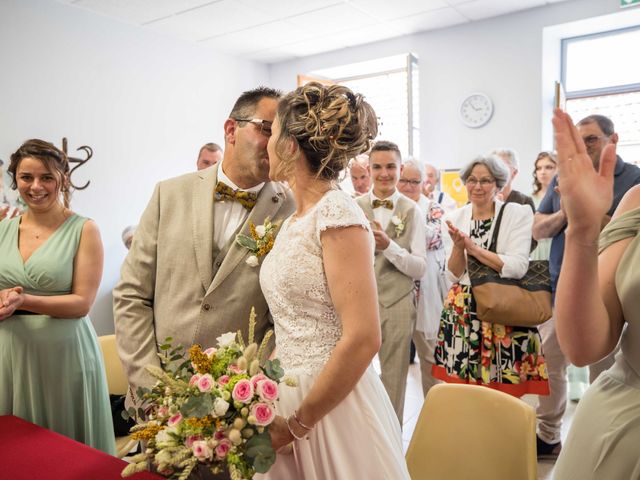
201, 450
164, 437
226, 339
252, 261
260, 231
220, 407
396, 220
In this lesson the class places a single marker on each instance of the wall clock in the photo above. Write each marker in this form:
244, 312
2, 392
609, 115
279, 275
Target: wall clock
476, 110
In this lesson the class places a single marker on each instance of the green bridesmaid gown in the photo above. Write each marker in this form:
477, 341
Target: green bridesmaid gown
51, 369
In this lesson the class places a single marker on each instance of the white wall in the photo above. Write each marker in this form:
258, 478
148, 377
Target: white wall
501, 56
145, 104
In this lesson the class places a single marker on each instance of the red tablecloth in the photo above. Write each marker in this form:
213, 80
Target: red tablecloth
30, 452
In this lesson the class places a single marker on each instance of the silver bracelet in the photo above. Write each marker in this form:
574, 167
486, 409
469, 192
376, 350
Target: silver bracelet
291, 430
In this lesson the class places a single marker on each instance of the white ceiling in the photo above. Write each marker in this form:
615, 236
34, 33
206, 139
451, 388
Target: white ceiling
275, 30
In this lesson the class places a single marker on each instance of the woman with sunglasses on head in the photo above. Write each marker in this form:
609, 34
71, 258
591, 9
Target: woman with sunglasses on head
470, 350
51, 370
320, 285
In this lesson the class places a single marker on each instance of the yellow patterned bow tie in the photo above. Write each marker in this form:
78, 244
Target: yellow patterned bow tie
225, 192
383, 203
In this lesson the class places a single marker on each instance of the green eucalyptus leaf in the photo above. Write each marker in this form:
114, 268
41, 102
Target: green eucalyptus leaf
246, 242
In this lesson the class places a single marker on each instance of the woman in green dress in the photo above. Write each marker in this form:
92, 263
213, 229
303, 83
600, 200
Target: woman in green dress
597, 308
51, 370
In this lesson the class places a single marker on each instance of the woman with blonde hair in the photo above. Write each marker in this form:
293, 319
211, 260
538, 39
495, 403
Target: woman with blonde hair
320, 286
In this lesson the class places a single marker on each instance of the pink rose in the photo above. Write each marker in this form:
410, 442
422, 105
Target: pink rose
223, 448
210, 352
223, 380
268, 390
194, 379
236, 370
256, 378
205, 382
163, 411
191, 439
263, 413
218, 435
242, 391
176, 419
201, 450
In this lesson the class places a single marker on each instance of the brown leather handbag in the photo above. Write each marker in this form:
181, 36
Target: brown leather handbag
524, 302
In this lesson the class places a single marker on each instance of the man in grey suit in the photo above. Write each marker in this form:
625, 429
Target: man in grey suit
185, 276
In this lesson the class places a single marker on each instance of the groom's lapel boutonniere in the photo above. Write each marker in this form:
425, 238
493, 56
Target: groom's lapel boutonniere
399, 222
260, 241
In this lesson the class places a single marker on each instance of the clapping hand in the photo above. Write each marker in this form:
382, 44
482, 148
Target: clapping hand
587, 194
460, 239
10, 301
379, 235
4, 211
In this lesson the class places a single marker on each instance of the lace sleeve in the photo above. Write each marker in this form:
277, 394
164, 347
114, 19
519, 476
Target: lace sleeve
338, 210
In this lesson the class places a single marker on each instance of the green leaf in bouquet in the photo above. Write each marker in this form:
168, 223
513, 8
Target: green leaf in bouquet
197, 406
246, 242
165, 346
129, 413
260, 453
273, 370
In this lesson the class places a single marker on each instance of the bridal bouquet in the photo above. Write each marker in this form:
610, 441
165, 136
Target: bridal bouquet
210, 409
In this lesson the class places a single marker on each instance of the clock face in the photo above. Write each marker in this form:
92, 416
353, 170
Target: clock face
476, 110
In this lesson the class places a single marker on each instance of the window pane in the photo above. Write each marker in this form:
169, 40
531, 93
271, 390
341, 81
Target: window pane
602, 61
623, 109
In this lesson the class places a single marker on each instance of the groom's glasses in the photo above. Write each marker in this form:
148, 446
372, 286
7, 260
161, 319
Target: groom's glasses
264, 125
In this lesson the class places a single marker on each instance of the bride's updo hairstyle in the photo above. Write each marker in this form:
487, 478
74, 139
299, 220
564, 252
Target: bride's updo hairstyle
329, 124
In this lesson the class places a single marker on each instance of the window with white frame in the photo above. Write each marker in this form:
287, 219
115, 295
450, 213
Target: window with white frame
599, 77
390, 85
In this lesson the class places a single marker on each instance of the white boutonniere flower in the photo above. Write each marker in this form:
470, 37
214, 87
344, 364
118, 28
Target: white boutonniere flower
398, 221
226, 339
259, 242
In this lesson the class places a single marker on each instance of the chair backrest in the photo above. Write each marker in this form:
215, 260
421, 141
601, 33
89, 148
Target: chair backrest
473, 432
116, 378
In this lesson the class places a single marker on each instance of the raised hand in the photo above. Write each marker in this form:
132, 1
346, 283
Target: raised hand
379, 235
587, 194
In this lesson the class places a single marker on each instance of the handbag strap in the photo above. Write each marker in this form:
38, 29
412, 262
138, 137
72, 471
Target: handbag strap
496, 228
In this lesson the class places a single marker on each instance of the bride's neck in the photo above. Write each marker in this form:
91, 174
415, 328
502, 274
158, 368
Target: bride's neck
308, 190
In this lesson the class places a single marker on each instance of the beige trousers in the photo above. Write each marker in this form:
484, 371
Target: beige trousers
397, 323
552, 407
425, 349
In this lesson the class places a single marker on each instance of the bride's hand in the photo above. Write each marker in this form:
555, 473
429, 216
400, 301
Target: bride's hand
280, 434
586, 194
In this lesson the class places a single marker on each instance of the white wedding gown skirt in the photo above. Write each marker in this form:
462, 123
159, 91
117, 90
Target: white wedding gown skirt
359, 439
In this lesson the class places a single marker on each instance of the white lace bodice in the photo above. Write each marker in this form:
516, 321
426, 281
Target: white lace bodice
294, 284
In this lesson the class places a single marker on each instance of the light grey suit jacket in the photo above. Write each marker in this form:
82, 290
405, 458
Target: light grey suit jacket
172, 286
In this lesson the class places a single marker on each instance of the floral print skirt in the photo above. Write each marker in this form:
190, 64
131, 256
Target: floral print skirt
469, 350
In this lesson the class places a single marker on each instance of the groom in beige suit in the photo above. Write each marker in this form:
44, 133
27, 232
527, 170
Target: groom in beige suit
401, 260
185, 276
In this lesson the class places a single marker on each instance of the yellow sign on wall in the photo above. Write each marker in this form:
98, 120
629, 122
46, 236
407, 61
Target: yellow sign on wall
451, 183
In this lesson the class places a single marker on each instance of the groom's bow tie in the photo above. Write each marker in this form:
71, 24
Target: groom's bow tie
382, 203
225, 192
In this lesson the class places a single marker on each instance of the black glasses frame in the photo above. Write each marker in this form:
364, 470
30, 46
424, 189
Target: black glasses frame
265, 125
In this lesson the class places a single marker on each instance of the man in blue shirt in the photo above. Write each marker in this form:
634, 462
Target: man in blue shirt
550, 222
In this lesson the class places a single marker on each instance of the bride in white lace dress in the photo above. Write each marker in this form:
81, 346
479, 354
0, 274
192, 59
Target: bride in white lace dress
338, 423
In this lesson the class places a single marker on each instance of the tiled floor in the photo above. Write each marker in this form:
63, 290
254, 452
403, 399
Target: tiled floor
413, 404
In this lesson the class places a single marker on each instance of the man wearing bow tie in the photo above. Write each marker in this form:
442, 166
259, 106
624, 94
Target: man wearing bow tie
399, 231
185, 276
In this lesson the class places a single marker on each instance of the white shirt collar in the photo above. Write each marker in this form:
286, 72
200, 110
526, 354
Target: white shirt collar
223, 178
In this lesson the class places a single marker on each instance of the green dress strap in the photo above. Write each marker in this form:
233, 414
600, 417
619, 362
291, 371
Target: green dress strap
625, 226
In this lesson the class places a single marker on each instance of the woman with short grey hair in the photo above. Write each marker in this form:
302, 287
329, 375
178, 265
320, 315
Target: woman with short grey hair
470, 350
496, 167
